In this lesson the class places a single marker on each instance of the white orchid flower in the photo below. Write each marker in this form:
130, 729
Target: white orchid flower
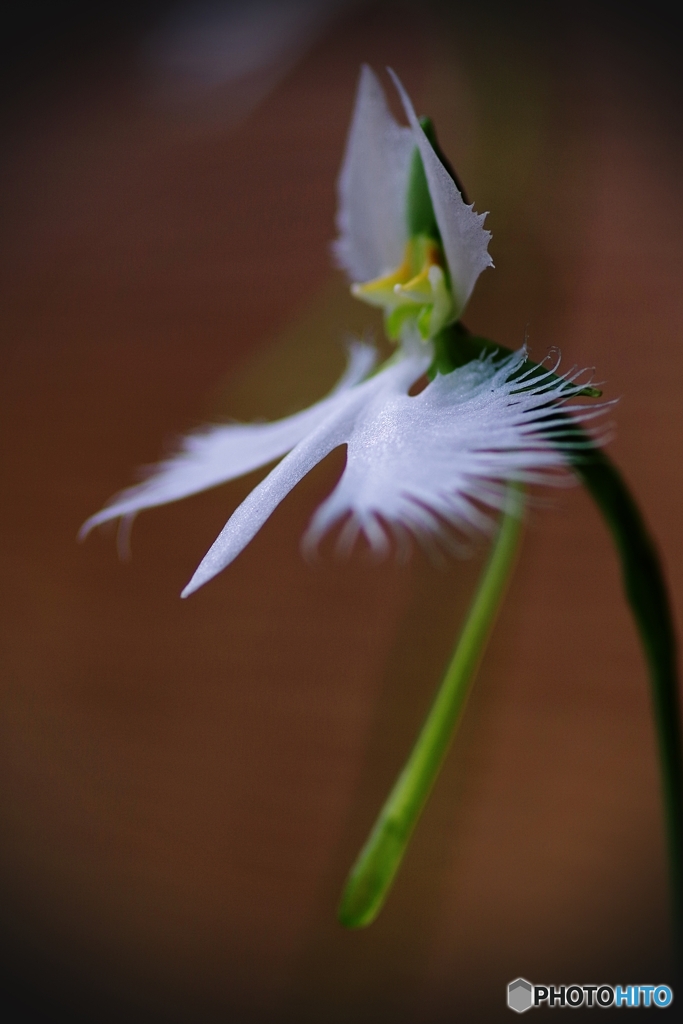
428, 465
429, 266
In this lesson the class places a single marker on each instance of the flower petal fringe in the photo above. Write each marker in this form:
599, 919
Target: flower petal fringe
425, 466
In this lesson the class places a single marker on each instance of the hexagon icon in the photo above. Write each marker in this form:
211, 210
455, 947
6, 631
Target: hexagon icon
520, 995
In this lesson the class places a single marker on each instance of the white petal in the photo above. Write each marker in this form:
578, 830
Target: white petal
372, 186
223, 453
335, 430
465, 240
433, 461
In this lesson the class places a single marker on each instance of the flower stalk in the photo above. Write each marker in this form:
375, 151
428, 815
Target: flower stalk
646, 592
645, 589
373, 873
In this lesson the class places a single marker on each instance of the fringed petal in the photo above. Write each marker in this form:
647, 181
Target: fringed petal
222, 453
433, 463
333, 431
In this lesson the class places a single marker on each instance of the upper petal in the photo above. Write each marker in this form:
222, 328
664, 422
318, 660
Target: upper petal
372, 186
222, 453
465, 240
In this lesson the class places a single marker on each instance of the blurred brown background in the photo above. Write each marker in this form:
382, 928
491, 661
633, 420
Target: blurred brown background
185, 784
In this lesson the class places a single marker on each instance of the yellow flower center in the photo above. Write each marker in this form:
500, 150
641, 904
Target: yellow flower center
417, 291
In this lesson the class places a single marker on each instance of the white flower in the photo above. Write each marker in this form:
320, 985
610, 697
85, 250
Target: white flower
373, 185
426, 466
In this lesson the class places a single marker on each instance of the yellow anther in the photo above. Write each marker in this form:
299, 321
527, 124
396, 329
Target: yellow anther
417, 291
380, 291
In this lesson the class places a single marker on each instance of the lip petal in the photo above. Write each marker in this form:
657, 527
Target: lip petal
433, 464
335, 430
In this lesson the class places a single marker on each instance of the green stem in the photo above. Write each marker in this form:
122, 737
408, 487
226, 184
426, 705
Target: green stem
646, 593
374, 871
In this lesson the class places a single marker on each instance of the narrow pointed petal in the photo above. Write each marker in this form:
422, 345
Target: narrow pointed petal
372, 186
465, 240
430, 463
335, 430
223, 453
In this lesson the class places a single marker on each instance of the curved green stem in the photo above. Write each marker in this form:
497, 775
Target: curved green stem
646, 592
647, 595
374, 871
645, 588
